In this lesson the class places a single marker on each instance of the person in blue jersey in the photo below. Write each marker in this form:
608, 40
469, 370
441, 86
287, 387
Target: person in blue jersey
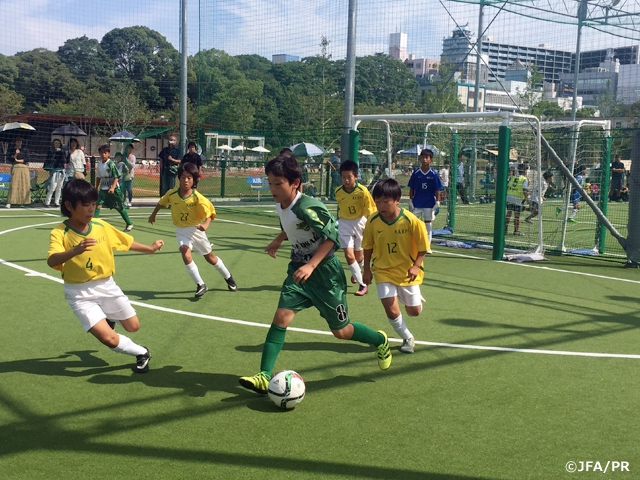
424, 192
315, 277
192, 213
81, 248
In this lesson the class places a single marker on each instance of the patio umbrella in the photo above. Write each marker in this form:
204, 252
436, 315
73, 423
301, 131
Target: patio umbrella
305, 149
225, 148
124, 136
9, 131
259, 149
365, 152
69, 131
239, 148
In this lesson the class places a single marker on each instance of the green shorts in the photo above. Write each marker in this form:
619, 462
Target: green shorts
325, 289
110, 200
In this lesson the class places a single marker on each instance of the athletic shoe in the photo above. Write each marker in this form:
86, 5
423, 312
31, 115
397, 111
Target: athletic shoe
128, 228
201, 290
362, 291
258, 383
129, 204
528, 220
353, 279
519, 234
384, 352
571, 219
407, 345
8, 205
231, 284
558, 210
429, 251
142, 362
112, 324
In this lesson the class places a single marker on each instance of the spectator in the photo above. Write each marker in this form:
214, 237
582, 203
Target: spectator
169, 162
54, 164
18, 147
20, 185
617, 179
336, 180
460, 180
193, 157
444, 178
77, 161
127, 179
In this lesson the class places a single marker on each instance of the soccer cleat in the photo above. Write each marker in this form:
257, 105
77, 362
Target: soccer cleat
112, 324
571, 219
407, 345
528, 220
519, 234
201, 290
128, 228
429, 251
353, 279
558, 210
384, 352
231, 284
362, 291
142, 362
258, 383
129, 204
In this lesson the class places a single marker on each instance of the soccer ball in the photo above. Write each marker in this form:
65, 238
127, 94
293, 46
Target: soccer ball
286, 389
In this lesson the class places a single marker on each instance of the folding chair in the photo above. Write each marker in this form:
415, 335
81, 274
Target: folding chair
38, 189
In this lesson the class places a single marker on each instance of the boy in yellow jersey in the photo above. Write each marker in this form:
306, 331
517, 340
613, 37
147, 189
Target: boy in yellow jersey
192, 214
517, 195
315, 277
395, 243
82, 247
355, 204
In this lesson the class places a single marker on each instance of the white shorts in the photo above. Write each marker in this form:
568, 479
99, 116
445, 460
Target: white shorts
193, 238
96, 300
409, 296
426, 214
350, 232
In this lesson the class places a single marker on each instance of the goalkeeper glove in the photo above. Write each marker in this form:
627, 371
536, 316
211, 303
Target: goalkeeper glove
411, 205
437, 210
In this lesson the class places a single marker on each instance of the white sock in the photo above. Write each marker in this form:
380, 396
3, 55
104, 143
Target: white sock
193, 271
127, 347
361, 264
400, 327
222, 269
355, 271
429, 232
574, 212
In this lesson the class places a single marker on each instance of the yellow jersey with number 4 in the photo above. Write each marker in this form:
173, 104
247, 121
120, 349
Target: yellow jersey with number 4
89, 265
395, 247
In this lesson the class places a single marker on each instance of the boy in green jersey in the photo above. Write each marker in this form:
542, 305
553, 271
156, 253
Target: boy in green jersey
315, 277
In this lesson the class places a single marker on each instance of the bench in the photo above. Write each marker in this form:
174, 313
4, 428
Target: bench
258, 183
5, 179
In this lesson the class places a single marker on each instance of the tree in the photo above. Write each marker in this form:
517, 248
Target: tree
8, 71
43, 78
87, 61
383, 80
10, 103
532, 93
442, 95
145, 57
547, 111
608, 104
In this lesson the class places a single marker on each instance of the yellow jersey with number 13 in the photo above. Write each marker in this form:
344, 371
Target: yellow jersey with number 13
89, 265
395, 247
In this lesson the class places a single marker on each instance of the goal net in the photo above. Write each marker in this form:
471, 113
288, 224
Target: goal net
468, 216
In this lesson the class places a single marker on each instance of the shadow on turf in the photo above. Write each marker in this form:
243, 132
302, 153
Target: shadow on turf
64, 365
339, 347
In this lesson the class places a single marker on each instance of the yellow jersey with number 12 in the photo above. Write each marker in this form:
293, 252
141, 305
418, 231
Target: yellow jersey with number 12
90, 265
395, 247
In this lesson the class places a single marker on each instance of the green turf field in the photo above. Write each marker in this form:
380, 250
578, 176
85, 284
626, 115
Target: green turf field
519, 369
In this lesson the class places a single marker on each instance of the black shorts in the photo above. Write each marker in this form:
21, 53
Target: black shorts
513, 207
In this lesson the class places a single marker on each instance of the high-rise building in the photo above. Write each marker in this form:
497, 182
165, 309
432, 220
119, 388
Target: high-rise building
398, 46
458, 51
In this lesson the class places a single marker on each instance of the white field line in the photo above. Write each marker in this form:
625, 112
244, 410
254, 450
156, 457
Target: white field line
34, 273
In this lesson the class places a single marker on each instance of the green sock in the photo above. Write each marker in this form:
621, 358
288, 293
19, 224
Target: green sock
96, 214
364, 334
271, 348
125, 216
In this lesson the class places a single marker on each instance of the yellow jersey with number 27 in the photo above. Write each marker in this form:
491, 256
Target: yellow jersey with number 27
395, 247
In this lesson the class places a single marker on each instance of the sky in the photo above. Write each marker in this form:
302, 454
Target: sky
267, 27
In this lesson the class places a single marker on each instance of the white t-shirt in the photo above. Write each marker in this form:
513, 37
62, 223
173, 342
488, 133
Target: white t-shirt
444, 176
76, 162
